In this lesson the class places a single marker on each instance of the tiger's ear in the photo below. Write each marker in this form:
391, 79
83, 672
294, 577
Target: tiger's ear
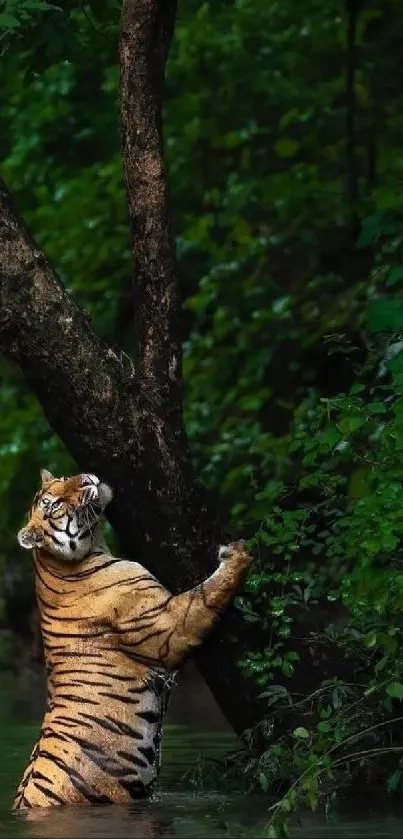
26, 538
46, 476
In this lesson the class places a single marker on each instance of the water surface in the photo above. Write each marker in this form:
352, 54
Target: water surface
180, 808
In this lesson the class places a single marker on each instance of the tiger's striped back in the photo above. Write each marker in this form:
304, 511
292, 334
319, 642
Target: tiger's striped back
101, 734
113, 638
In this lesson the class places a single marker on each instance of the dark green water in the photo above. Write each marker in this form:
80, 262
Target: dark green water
178, 809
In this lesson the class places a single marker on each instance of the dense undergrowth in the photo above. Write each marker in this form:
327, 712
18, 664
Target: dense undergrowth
334, 552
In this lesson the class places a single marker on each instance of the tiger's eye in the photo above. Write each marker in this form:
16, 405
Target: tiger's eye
55, 506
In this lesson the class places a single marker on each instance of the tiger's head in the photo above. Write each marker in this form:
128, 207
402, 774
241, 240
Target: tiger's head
65, 515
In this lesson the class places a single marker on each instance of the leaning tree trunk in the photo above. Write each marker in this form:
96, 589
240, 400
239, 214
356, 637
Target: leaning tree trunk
119, 419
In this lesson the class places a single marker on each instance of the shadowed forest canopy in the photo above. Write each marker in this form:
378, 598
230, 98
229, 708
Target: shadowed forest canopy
283, 127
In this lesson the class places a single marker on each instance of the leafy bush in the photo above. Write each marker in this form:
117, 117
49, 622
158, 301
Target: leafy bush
343, 544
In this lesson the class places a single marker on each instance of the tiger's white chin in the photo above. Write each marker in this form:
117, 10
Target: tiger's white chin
64, 552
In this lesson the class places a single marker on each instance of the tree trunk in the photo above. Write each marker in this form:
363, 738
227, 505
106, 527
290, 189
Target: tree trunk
121, 419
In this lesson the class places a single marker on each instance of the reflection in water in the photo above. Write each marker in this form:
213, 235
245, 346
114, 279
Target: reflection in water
186, 816
365, 828
179, 811
141, 821
173, 815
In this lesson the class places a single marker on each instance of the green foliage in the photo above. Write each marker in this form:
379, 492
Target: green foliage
59, 135
294, 367
293, 328
346, 452
15, 14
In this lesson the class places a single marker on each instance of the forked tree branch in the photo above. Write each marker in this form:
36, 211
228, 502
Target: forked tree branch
145, 35
123, 425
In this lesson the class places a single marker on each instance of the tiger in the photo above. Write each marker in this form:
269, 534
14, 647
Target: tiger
113, 638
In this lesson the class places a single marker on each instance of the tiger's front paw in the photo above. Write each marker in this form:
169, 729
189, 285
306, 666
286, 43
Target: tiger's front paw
236, 552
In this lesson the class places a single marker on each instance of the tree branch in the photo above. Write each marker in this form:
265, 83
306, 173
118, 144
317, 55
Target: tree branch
49, 337
122, 424
96, 406
145, 34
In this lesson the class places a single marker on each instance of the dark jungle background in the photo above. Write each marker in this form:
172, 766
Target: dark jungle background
283, 131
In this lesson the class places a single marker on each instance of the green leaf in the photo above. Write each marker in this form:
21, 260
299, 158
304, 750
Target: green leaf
263, 782
279, 690
371, 639
395, 690
395, 365
386, 315
377, 407
374, 226
287, 668
394, 780
286, 148
301, 733
8, 21
278, 830
395, 275
349, 424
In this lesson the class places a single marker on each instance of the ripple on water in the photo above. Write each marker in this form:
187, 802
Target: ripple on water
176, 810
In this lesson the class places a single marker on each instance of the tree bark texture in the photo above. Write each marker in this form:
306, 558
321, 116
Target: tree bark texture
145, 34
123, 420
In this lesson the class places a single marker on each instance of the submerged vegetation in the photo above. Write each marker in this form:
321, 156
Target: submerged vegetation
283, 139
